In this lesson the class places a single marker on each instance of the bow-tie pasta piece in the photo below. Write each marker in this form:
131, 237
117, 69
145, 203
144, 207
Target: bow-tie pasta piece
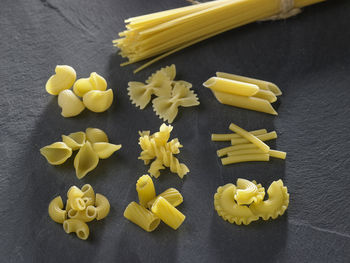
97, 100
105, 149
94, 82
85, 161
62, 80
169, 71
70, 104
94, 135
74, 140
248, 192
56, 153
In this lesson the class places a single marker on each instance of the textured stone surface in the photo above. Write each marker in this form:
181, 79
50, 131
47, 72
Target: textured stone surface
308, 56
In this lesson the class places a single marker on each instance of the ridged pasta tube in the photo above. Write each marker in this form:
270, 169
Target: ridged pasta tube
85, 215
70, 104
56, 211
62, 80
145, 189
85, 161
80, 228
231, 86
167, 213
172, 195
141, 217
97, 100
56, 153
102, 206
74, 140
105, 149
94, 135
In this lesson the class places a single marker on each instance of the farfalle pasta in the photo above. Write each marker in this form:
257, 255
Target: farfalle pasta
243, 204
92, 145
82, 206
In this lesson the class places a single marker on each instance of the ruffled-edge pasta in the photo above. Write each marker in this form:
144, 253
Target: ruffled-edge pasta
169, 71
74, 140
56, 153
56, 211
77, 226
248, 192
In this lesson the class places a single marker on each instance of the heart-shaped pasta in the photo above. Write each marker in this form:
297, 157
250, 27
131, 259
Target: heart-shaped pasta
85, 161
69, 102
105, 149
94, 135
74, 140
62, 80
56, 153
248, 192
97, 100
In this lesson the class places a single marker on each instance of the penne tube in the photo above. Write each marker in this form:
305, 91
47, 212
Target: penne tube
80, 228
141, 217
228, 137
250, 103
245, 158
264, 85
226, 150
244, 152
262, 137
167, 213
231, 86
172, 195
145, 189
56, 211
266, 95
278, 154
253, 139
102, 206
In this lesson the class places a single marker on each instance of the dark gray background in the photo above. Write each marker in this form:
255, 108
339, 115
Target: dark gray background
307, 56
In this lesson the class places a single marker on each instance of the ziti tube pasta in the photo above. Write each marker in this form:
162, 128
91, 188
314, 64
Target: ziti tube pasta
263, 157
228, 137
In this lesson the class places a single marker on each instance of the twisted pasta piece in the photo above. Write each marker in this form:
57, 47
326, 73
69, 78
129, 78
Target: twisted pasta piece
248, 192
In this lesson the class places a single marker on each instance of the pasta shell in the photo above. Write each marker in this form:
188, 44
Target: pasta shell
85, 161
63, 79
69, 102
248, 192
94, 135
98, 82
56, 153
105, 150
74, 140
82, 86
97, 100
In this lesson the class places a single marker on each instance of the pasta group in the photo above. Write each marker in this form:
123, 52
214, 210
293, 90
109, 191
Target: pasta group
82, 206
151, 208
243, 204
157, 147
246, 146
244, 92
92, 90
92, 145
170, 94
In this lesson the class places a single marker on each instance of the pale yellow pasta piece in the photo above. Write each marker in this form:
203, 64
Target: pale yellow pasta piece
63, 79
88, 192
56, 153
85, 161
80, 228
226, 150
250, 103
278, 154
248, 192
97, 100
94, 82
155, 168
166, 107
85, 215
264, 157
169, 160
231, 86
105, 149
94, 135
75, 199
70, 104
141, 217
169, 71
102, 206
245, 152
172, 195
228, 209
277, 203
251, 138
56, 211
228, 137
163, 135
88, 201
74, 140
266, 95
145, 189
167, 213
264, 85
263, 137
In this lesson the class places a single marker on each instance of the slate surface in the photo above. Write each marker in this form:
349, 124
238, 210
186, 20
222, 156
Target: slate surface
307, 56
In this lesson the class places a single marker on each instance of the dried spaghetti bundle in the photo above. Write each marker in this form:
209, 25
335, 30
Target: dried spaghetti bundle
163, 33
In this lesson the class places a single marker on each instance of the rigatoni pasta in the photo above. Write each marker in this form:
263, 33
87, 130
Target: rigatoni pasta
141, 217
145, 189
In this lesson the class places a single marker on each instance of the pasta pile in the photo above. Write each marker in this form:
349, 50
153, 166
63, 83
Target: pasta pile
243, 92
151, 208
163, 33
82, 206
92, 145
170, 94
243, 203
247, 146
93, 91
157, 146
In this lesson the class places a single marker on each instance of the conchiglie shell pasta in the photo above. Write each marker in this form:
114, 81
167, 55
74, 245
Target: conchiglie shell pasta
105, 150
95, 135
69, 102
63, 79
56, 153
97, 100
74, 140
85, 161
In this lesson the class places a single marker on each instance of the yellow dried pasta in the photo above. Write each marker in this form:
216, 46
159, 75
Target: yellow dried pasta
104, 149
77, 226
94, 82
167, 213
98, 100
85, 161
141, 217
74, 140
172, 195
248, 192
70, 104
56, 153
94, 135
231, 86
145, 189
62, 80
56, 211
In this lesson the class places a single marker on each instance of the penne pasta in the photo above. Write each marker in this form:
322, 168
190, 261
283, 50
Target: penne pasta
245, 158
80, 228
167, 213
145, 189
102, 206
228, 137
262, 137
141, 217
266, 95
56, 211
231, 86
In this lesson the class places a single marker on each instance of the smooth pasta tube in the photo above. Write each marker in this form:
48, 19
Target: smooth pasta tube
75, 199
266, 95
172, 195
56, 153
263, 137
88, 192
102, 206
86, 215
95, 135
70, 104
145, 189
80, 228
251, 138
74, 140
167, 213
141, 217
245, 158
278, 154
56, 211
228, 137
226, 150
231, 86
85, 161
244, 152
105, 149
62, 80
97, 100
250, 103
